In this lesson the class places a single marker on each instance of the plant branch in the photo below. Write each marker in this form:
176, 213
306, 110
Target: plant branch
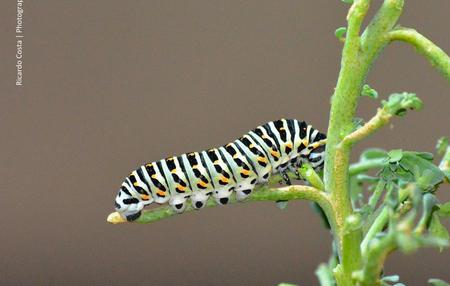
379, 120
382, 219
364, 166
262, 193
377, 253
435, 55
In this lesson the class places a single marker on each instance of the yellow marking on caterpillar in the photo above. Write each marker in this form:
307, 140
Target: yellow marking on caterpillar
154, 176
181, 188
216, 162
170, 159
148, 165
262, 159
245, 172
161, 193
203, 184
224, 179
145, 197
136, 184
251, 146
173, 171
319, 143
275, 153
235, 156
289, 145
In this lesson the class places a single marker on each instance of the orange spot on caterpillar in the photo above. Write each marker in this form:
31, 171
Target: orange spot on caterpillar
224, 179
181, 188
201, 183
262, 159
275, 153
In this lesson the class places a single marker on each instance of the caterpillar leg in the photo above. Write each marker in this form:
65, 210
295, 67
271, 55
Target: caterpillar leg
199, 199
244, 189
222, 195
285, 177
178, 203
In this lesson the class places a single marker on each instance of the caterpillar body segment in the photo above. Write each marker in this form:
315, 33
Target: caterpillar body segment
236, 167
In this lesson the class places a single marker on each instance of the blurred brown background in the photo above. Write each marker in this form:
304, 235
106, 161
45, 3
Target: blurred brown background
109, 85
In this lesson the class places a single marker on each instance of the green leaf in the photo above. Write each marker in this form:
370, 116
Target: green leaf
424, 155
425, 172
368, 91
442, 145
395, 155
347, 1
340, 32
437, 230
437, 282
399, 103
444, 210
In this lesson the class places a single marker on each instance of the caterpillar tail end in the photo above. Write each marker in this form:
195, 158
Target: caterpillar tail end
115, 218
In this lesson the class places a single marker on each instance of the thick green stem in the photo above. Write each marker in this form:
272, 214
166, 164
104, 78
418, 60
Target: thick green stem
435, 55
357, 57
343, 108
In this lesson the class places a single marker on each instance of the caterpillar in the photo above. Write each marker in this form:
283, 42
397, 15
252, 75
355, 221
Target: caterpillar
275, 147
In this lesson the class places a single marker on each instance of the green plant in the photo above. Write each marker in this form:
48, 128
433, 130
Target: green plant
370, 216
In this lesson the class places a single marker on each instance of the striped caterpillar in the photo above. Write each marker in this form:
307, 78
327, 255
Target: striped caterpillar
275, 147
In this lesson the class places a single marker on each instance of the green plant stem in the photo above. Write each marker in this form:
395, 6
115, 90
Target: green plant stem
357, 57
343, 108
379, 120
376, 195
435, 55
307, 172
364, 166
262, 193
375, 258
382, 219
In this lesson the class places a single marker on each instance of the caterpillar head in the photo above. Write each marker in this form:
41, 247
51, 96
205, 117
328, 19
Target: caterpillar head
131, 199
